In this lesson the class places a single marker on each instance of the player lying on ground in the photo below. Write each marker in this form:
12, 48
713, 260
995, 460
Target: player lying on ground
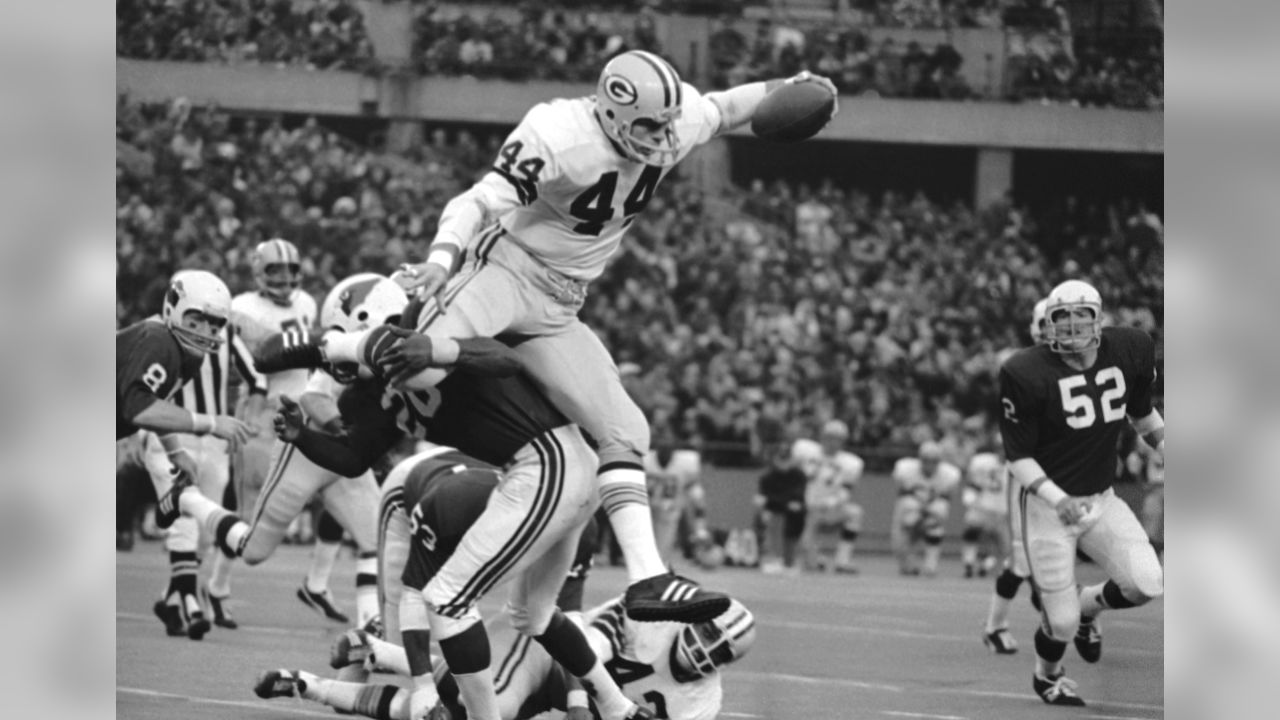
1064, 405
670, 668
527, 532
537, 229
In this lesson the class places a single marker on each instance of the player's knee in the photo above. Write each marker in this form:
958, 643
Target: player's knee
1062, 610
444, 627
530, 621
1144, 586
254, 553
1007, 584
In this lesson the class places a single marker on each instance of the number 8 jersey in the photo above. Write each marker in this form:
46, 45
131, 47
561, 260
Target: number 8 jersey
571, 192
1069, 421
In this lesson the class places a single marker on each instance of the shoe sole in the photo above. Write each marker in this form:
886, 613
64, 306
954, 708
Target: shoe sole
690, 612
197, 629
993, 647
306, 600
170, 630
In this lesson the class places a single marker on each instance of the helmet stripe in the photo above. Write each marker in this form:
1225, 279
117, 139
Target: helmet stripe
675, 80
655, 63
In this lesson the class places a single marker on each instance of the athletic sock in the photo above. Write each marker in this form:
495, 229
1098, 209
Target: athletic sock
220, 575
366, 588
323, 556
625, 498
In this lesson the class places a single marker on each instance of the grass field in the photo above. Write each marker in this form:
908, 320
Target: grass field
829, 648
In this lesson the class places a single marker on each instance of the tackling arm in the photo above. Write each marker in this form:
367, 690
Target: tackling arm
163, 416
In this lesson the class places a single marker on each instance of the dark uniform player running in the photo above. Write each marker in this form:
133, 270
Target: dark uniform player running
1064, 401
528, 530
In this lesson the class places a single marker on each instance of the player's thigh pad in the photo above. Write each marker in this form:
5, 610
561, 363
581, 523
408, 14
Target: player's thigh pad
547, 492
354, 502
1119, 544
532, 601
577, 373
291, 483
482, 300
1051, 548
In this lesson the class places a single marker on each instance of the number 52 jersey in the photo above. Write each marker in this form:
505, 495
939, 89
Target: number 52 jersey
1069, 421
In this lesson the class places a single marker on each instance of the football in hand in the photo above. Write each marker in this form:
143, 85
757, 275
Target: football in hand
793, 112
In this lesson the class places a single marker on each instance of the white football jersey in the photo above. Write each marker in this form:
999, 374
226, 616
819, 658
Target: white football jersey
256, 318
910, 477
638, 656
576, 193
669, 482
831, 477
989, 477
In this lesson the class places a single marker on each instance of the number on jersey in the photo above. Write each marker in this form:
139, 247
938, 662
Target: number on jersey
1079, 407
522, 174
154, 377
421, 530
594, 207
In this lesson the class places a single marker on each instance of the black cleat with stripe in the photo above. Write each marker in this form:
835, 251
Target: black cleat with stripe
672, 598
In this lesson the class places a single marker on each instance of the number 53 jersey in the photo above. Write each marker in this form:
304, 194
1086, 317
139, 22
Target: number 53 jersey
1069, 421
566, 194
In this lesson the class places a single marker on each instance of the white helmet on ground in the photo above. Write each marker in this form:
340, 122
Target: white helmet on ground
196, 309
638, 100
1066, 329
703, 647
1037, 321
360, 302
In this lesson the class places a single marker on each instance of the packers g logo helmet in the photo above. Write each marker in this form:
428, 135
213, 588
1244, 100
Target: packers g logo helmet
638, 101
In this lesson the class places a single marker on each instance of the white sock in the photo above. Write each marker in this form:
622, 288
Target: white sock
343, 346
997, 613
323, 556
389, 657
605, 692
478, 695
210, 514
366, 589
1091, 602
626, 500
220, 575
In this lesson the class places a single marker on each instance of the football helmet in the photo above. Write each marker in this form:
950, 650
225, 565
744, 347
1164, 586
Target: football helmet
702, 647
1064, 330
360, 302
638, 100
1037, 321
196, 309
277, 269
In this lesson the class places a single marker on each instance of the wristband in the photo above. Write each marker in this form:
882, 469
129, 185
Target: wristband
202, 424
1048, 490
444, 351
576, 699
443, 257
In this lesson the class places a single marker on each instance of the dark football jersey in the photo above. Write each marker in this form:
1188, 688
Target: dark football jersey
443, 496
488, 418
1069, 420
150, 365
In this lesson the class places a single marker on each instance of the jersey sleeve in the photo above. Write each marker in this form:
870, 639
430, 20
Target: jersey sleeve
151, 371
526, 163
700, 118
250, 330
1144, 360
1019, 416
242, 359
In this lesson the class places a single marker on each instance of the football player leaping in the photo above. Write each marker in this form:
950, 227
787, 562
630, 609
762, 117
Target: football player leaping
429, 501
1064, 402
529, 237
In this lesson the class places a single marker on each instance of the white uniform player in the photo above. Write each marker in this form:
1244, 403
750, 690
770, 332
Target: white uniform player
674, 487
926, 485
277, 304
540, 226
833, 476
672, 669
986, 512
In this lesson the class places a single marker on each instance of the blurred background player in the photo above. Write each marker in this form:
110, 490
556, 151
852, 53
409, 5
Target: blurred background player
207, 391
155, 358
673, 669
830, 509
277, 304
986, 512
926, 486
780, 501
355, 303
676, 497
1064, 406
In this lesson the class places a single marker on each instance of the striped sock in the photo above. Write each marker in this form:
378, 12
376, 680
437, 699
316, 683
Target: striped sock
366, 588
625, 498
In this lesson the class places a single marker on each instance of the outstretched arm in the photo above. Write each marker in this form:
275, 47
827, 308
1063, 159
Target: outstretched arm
738, 104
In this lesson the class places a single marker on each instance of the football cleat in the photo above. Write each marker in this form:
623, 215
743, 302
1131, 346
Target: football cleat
374, 628
351, 648
168, 507
279, 683
321, 602
198, 626
171, 616
1058, 690
669, 597
218, 608
1088, 640
1000, 641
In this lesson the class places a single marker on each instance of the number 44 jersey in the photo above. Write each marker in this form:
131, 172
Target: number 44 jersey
1069, 421
570, 191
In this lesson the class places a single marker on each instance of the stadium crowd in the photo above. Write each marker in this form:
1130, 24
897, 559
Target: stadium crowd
778, 301
319, 34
